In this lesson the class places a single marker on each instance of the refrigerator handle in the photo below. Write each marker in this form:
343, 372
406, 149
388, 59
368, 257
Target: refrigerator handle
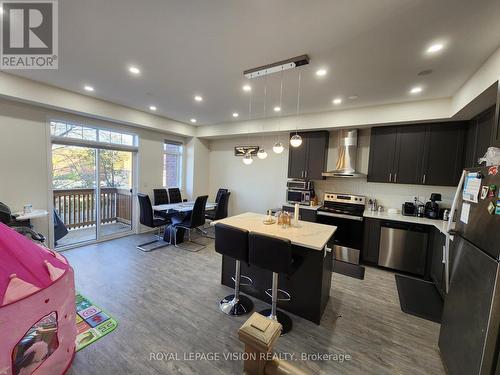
449, 233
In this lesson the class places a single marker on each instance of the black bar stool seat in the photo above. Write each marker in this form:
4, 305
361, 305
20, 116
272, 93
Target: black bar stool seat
233, 242
274, 254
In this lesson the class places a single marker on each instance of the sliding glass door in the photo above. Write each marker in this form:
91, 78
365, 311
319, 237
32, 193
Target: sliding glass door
92, 183
74, 194
115, 185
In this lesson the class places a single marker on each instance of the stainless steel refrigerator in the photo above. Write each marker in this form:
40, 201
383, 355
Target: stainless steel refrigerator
469, 339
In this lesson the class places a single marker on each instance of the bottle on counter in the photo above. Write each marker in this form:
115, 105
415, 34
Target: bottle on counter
296, 215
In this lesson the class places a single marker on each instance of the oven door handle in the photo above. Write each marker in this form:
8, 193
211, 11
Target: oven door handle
342, 216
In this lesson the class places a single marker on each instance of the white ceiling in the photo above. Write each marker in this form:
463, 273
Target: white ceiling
373, 49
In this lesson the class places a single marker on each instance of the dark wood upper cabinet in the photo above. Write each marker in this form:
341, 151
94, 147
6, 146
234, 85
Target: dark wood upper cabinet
478, 136
495, 135
382, 154
443, 154
417, 154
409, 150
308, 161
297, 160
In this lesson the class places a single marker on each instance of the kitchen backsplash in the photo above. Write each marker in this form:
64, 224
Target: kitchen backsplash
387, 195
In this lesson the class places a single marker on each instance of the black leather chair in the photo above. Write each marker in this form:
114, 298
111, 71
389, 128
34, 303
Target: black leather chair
160, 196
190, 221
233, 242
219, 193
148, 219
273, 254
174, 195
220, 212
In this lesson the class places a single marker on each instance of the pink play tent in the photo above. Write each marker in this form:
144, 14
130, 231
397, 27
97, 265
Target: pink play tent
37, 308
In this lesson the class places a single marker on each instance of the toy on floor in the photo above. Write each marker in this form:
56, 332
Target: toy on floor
37, 308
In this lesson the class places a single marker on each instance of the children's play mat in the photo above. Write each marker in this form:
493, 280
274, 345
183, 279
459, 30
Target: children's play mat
92, 323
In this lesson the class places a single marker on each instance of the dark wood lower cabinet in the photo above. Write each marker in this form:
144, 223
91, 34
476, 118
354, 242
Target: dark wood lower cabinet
371, 239
309, 286
437, 266
305, 214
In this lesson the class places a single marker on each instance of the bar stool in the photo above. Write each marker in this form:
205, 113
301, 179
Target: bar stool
233, 242
273, 254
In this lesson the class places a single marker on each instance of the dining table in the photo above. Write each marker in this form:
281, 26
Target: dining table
181, 207
168, 210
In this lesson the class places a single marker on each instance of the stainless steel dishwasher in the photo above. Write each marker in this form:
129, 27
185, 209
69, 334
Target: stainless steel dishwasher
403, 246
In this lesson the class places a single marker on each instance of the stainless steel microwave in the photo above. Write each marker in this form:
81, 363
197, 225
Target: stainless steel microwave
299, 185
302, 197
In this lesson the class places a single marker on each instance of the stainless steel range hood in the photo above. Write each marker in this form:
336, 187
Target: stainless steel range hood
346, 160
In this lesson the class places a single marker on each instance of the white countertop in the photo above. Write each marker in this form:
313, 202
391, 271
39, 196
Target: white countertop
313, 208
311, 235
439, 224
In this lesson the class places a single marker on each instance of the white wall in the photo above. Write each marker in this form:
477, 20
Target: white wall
23, 158
24, 155
197, 167
262, 185
256, 187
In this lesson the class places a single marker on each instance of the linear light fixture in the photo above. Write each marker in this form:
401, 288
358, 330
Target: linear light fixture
276, 67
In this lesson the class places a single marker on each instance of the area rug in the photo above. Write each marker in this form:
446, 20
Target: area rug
92, 323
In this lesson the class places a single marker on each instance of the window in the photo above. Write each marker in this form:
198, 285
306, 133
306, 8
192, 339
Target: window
172, 164
86, 133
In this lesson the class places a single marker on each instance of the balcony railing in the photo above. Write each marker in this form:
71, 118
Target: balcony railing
77, 207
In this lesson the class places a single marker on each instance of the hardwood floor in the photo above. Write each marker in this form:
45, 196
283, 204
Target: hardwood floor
167, 301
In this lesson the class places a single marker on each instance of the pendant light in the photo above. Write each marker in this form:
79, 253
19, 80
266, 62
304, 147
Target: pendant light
248, 158
278, 146
262, 154
296, 140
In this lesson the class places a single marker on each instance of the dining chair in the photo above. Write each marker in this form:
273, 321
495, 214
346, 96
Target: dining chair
195, 219
219, 193
147, 218
220, 212
160, 196
175, 195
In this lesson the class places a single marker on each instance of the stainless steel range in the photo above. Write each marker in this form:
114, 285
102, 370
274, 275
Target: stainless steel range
345, 211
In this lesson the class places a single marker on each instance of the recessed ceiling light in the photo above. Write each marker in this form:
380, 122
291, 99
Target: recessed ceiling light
198, 98
277, 109
193, 120
435, 48
153, 108
337, 101
321, 72
235, 114
88, 88
416, 90
353, 97
247, 88
134, 70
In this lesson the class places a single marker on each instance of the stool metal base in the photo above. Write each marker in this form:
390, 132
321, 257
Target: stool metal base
230, 306
282, 318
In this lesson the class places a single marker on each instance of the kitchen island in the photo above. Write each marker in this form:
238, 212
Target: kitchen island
309, 286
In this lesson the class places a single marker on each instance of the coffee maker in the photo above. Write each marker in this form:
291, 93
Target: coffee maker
431, 207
